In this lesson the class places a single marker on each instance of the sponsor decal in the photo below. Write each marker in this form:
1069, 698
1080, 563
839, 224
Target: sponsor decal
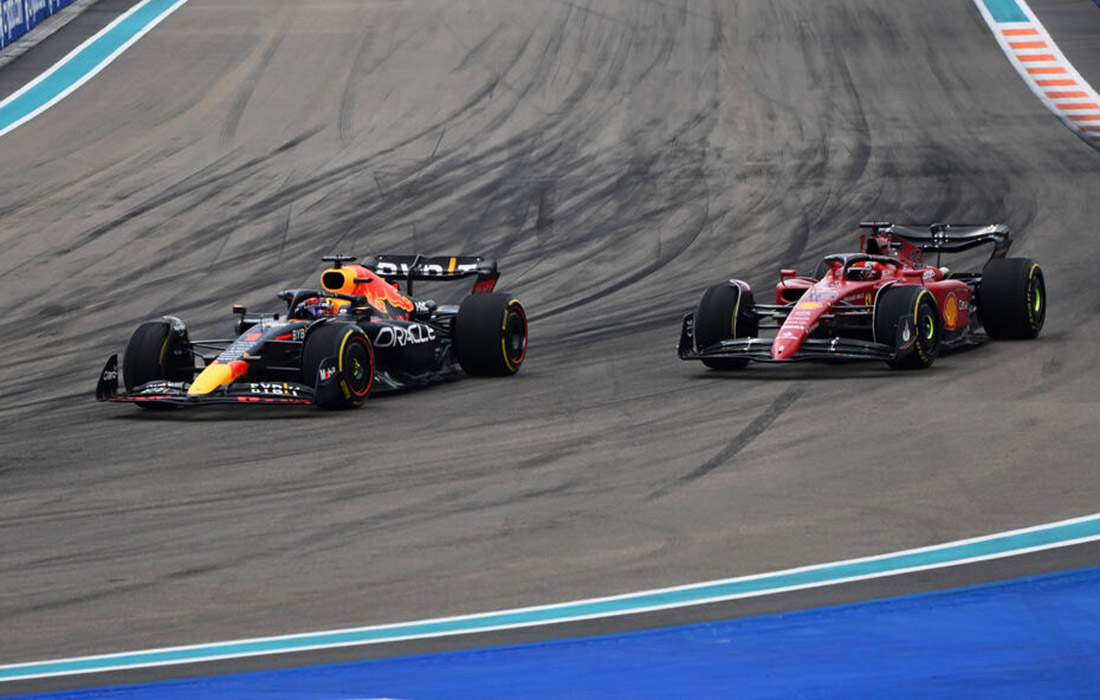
110, 375
868, 299
484, 286
809, 305
238, 348
400, 336
277, 388
393, 269
379, 293
951, 311
820, 295
297, 333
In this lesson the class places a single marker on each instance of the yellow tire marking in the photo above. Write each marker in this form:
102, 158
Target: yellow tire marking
340, 364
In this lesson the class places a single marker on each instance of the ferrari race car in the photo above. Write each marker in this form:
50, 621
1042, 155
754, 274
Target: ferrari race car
883, 303
335, 345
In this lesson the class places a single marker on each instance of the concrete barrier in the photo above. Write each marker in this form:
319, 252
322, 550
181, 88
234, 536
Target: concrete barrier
17, 17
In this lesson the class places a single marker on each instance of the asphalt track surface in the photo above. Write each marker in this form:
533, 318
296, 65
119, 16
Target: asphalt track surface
616, 157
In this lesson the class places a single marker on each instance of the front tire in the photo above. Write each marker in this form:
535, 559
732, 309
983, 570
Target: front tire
1013, 299
908, 319
724, 314
491, 335
354, 360
156, 352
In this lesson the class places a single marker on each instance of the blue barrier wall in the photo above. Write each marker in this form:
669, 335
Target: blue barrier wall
17, 17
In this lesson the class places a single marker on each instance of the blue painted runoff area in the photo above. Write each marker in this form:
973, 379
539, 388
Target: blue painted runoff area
64, 76
1031, 637
1003, 544
1006, 11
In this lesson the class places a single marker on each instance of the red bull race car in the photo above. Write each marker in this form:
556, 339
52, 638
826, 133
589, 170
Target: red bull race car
885, 302
332, 346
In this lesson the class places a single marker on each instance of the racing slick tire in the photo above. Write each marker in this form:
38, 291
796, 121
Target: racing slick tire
917, 303
491, 335
721, 315
1013, 303
156, 352
354, 360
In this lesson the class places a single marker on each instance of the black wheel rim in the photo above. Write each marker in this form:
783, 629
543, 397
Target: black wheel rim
515, 336
928, 330
928, 327
1036, 301
358, 369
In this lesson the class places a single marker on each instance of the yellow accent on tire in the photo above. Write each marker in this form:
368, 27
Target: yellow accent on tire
340, 365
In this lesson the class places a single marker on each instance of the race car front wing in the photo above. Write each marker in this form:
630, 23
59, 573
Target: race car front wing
759, 349
175, 394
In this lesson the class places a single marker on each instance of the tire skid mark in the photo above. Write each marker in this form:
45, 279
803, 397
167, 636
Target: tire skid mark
740, 441
236, 111
347, 101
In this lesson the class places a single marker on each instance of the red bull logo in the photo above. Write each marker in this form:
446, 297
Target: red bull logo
378, 294
359, 281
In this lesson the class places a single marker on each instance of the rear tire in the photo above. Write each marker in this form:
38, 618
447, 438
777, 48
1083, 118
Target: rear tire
154, 353
723, 315
1013, 303
490, 335
917, 306
354, 360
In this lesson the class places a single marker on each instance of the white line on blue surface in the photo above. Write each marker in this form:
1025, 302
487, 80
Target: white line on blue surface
83, 63
1013, 543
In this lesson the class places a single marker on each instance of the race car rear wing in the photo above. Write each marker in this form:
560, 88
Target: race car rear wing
413, 268
946, 238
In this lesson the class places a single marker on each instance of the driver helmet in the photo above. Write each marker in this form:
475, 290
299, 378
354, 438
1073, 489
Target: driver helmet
316, 307
865, 270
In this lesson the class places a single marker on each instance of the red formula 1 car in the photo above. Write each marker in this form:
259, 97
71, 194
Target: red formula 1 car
333, 346
883, 303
